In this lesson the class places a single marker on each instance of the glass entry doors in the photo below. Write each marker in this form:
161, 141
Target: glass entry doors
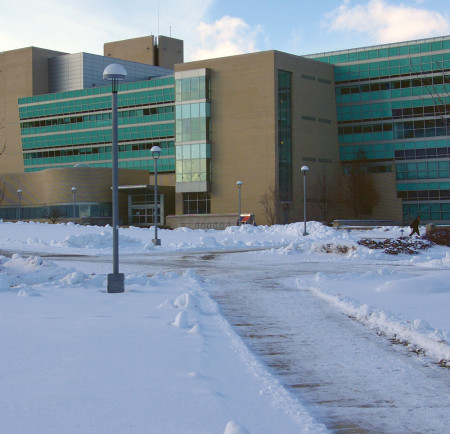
141, 209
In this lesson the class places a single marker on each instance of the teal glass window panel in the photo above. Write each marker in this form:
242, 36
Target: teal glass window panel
195, 110
195, 151
185, 111
186, 152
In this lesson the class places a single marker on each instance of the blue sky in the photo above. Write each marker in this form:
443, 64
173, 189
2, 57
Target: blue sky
214, 28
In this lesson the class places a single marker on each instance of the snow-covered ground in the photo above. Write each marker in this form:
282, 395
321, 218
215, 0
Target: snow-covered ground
161, 357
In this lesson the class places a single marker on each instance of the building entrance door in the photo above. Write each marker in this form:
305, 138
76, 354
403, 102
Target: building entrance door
142, 215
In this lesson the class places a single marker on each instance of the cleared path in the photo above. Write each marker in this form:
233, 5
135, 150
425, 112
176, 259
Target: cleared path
350, 378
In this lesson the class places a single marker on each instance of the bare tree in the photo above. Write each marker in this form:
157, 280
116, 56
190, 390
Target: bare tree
359, 193
271, 203
326, 196
53, 213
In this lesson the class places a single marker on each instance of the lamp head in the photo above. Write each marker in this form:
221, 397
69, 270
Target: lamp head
156, 152
304, 169
239, 184
74, 189
114, 71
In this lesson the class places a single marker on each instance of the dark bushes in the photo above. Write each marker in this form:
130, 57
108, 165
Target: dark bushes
394, 246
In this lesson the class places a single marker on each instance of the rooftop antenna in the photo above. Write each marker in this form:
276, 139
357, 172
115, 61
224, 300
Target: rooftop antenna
158, 17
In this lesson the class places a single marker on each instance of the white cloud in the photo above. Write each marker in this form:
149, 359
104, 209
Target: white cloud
225, 37
385, 22
85, 25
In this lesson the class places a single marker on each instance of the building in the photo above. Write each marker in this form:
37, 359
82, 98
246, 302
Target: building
255, 117
393, 105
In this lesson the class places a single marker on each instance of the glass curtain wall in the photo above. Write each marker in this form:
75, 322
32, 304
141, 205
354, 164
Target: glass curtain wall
393, 103
284, 136
193, 139
66, 128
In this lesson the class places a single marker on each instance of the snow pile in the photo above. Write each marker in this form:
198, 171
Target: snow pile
160, 352
375, 303
163, 348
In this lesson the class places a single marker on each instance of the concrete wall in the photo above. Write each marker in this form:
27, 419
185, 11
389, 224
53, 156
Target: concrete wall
54, 186
170, 51
244, 127
137, 49
23, 72
164, 51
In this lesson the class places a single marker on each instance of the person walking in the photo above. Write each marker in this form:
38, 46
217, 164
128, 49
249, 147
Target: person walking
415, 226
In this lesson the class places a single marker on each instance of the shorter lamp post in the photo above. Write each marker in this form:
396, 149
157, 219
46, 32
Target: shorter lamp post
156, 153
19, 193
304, 169
239, 185
74, 190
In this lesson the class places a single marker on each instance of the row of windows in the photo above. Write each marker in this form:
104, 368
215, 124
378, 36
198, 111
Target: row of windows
95, 104
193, 170
133, 150
146, 132
393, 109
312, 78
416, 154
378, 53
400, 128
397, 84
193, 130
399, 151
383, 112
163, 165
423, 170
194, 110
421, 92
197, 150
371, 152
392, 68
153, 114
64, 211
381, 167
425, 195
428, 211
393, 131
308, 118
144, 84
192, 88
423, 186
196, 203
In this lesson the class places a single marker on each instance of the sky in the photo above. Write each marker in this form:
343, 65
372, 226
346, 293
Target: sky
216, 28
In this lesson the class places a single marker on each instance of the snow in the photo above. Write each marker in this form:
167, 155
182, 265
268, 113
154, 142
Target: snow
161, 357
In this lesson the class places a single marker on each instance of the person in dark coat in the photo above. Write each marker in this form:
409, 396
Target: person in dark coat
415, 226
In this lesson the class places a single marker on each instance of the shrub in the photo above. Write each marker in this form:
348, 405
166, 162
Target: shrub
395, 246
439, 237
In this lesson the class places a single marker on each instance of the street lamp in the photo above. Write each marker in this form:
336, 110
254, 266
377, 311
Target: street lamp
19, 193
115, 73
239, 185
74, 190
304, 169
156, 153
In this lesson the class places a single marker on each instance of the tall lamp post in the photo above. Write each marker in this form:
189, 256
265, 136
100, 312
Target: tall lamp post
156, 153
19, 193
239, 185
115, 73
304, 169
74, 190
